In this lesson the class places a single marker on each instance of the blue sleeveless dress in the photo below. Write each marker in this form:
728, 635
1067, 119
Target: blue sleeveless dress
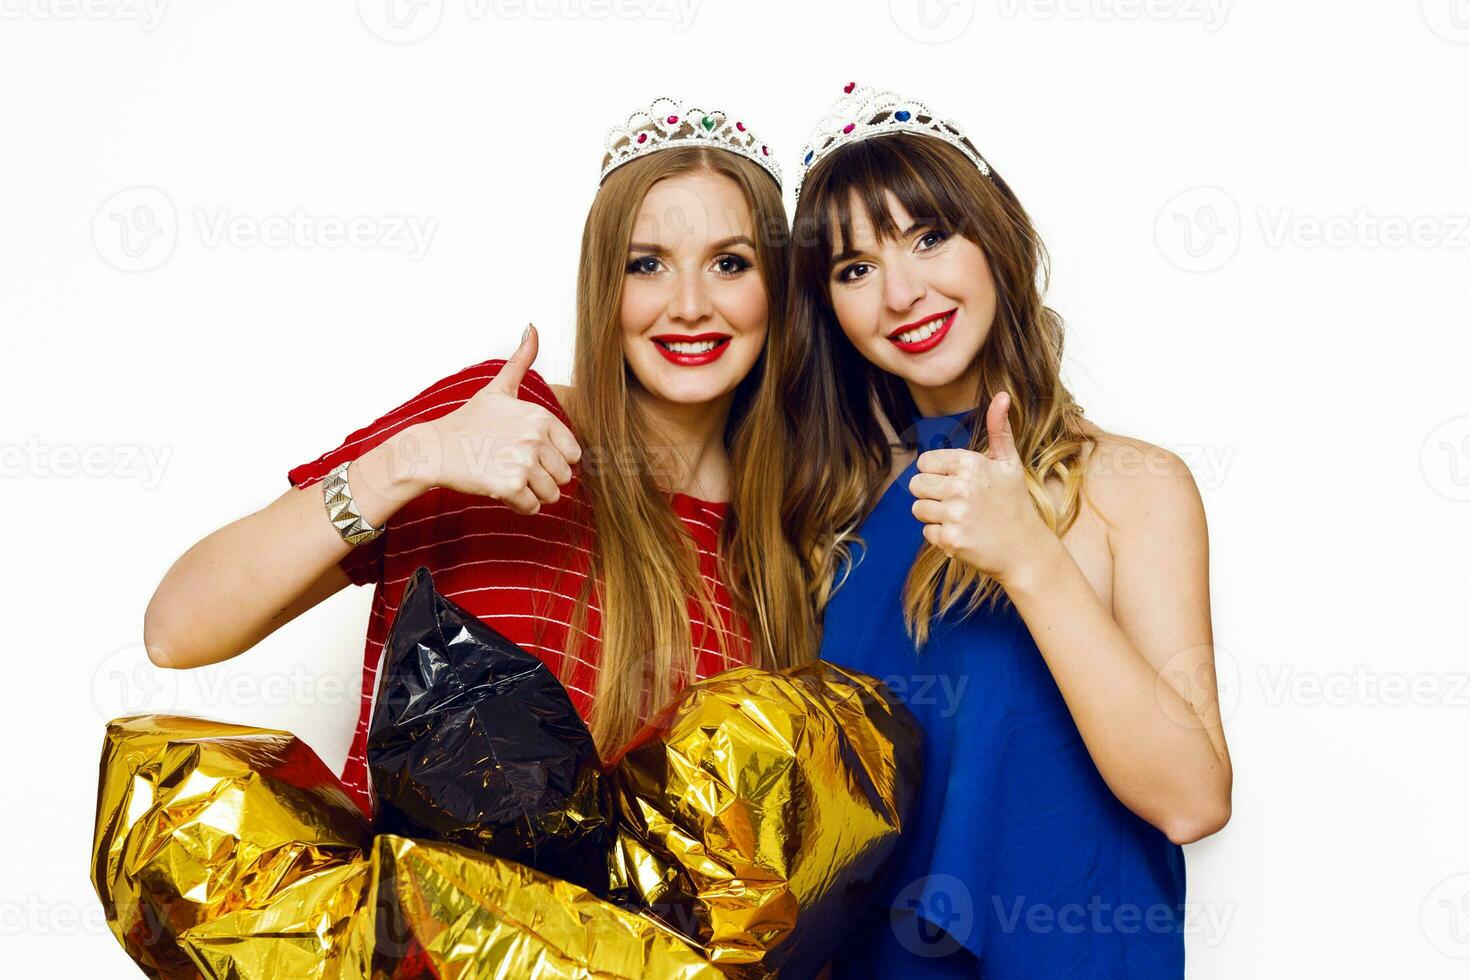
1019, 862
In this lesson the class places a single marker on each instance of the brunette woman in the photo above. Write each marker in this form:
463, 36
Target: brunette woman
1034, 587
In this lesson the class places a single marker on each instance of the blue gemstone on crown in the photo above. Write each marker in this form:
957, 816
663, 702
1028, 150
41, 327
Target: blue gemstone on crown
880, 111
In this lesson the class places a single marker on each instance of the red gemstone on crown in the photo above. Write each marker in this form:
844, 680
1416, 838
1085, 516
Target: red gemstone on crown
849, 127
849, 87
672, 120
740, 126
643, 137
766, 150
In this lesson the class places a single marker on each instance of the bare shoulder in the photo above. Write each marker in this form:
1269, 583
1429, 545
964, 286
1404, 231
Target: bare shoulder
1132, 483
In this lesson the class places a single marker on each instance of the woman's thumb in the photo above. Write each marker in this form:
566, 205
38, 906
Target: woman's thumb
998, 427
508, 381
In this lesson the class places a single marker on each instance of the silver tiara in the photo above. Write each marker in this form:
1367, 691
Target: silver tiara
666, 124
864, 112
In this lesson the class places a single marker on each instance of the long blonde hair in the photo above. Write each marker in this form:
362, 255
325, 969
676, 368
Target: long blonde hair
644, 563
842, 455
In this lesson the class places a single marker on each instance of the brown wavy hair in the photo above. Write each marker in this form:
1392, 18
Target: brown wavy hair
841, 454
644, 561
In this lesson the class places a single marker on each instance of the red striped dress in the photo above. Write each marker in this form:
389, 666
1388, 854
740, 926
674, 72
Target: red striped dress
520, 574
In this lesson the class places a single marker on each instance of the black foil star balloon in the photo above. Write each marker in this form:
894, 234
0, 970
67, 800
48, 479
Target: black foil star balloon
475, 742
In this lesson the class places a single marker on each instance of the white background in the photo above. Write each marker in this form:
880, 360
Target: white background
1258, 216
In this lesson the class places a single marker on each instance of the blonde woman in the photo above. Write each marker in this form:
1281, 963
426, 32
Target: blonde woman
603, 527
1036, 589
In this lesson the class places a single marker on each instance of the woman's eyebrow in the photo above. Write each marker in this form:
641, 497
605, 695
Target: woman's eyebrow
732, 240
723, 243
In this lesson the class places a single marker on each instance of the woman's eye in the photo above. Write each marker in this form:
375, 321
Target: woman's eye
731, 264
853, 272
932, 239
645, 265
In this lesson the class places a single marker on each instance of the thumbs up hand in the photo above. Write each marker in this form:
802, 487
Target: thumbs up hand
496, 445
976, 507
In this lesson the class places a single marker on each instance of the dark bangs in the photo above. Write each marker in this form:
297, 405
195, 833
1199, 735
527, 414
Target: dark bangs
918, 170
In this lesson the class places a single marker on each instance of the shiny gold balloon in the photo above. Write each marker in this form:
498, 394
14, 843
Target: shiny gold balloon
232, 853
199, 819
758, 811
443, 911
477, 917
754, 817
314, 930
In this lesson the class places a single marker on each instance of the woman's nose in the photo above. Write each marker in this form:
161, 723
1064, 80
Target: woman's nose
902, 287
691, 300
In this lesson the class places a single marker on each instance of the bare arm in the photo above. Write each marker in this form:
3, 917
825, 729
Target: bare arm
248, 579
1139, 680
243, 582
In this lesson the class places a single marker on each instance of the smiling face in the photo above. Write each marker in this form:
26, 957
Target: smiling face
694, 304
918, 305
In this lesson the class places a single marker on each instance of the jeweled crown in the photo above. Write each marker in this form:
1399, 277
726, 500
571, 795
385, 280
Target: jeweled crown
666, 124
862, 112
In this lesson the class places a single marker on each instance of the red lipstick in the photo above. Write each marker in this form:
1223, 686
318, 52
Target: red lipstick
722, 343
928, 343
